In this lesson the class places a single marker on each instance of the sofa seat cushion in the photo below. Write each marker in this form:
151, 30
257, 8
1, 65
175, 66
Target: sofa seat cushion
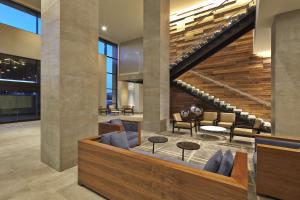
279, 143
131, 135
206, 123
133, 142
184, 124
225, 124
214, 162
243, 131
226, 164
119, 140
169, 159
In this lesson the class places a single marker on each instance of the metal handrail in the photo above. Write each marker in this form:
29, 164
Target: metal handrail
205, 38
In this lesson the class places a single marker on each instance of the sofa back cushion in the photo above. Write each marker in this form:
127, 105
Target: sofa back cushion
177, 117
210, 116
116, 122
227, 117
226, 164
119, 140
214, 162
279, 143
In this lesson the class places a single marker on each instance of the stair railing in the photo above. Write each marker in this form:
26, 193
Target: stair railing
214, 32
247, 95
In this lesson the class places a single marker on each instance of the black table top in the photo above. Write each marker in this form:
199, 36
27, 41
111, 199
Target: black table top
188, 145
158, 139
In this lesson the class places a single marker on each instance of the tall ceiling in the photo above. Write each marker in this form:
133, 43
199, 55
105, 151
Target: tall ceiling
266, 11
123, 18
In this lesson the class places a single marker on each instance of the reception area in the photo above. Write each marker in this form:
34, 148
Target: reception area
149, 99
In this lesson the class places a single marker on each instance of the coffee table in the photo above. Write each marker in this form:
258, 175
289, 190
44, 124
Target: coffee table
212, 129
157, 139
187, 146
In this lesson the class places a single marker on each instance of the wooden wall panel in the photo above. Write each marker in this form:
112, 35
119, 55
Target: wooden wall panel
236, 66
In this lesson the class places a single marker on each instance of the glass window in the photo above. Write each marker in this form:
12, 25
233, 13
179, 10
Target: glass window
109, 79
19, 89
111, 52
101, 47
18, 18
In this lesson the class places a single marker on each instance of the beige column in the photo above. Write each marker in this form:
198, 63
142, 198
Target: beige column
286, 75
156, 64
102, 80
70, 76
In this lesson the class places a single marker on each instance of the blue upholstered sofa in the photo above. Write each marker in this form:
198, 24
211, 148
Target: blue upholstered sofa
277, 165
132, 129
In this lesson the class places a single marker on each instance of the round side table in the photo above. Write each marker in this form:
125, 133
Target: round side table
157, 139
187, 146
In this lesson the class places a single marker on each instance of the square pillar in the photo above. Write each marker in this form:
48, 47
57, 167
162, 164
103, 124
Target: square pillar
156, 65
69, 79
286, 74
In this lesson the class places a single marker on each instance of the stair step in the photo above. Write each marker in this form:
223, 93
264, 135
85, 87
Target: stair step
251, 117
237, 110
231, 107
245, 113
205, 94
216, 100
211, 97
267, 124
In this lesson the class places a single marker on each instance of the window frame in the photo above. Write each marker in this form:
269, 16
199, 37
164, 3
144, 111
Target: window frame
116, 59
24, 9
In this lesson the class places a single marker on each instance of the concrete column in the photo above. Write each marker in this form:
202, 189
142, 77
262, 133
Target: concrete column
70, 73
156, 64
286, 74
102, 80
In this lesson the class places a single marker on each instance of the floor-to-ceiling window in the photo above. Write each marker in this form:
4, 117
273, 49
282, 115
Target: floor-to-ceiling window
19, 76
20, 17
110, 50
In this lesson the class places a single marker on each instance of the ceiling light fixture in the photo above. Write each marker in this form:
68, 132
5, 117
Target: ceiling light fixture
103, 28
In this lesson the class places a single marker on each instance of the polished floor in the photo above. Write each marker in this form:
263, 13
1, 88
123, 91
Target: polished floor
23, 176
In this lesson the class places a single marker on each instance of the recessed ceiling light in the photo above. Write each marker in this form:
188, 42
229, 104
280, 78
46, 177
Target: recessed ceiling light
14, 67
8, 70
103, 28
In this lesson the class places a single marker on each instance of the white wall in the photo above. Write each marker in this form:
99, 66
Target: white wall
19, 43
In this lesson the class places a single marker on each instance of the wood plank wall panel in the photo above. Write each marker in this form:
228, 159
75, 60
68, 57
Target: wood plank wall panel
187, 31
180, 100
236, 66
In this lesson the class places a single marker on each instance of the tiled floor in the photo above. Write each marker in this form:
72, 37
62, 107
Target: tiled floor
23, 176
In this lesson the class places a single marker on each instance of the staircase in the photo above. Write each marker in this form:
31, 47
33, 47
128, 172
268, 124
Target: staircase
220, 36
219, 104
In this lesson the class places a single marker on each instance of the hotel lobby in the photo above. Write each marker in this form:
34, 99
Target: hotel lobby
149, 99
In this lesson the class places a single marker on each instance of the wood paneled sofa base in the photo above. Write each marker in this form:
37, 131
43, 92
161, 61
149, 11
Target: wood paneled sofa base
117, 173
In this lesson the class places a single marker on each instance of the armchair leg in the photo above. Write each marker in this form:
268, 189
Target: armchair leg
191, 132
196, 129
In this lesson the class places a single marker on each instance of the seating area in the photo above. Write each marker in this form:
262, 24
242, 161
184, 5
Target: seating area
149, 100
224, 172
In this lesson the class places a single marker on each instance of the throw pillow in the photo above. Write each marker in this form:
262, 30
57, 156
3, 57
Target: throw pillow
226, 164
214, 162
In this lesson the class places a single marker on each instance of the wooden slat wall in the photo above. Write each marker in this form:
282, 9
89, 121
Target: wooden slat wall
187, 31
180, 100
236, 66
